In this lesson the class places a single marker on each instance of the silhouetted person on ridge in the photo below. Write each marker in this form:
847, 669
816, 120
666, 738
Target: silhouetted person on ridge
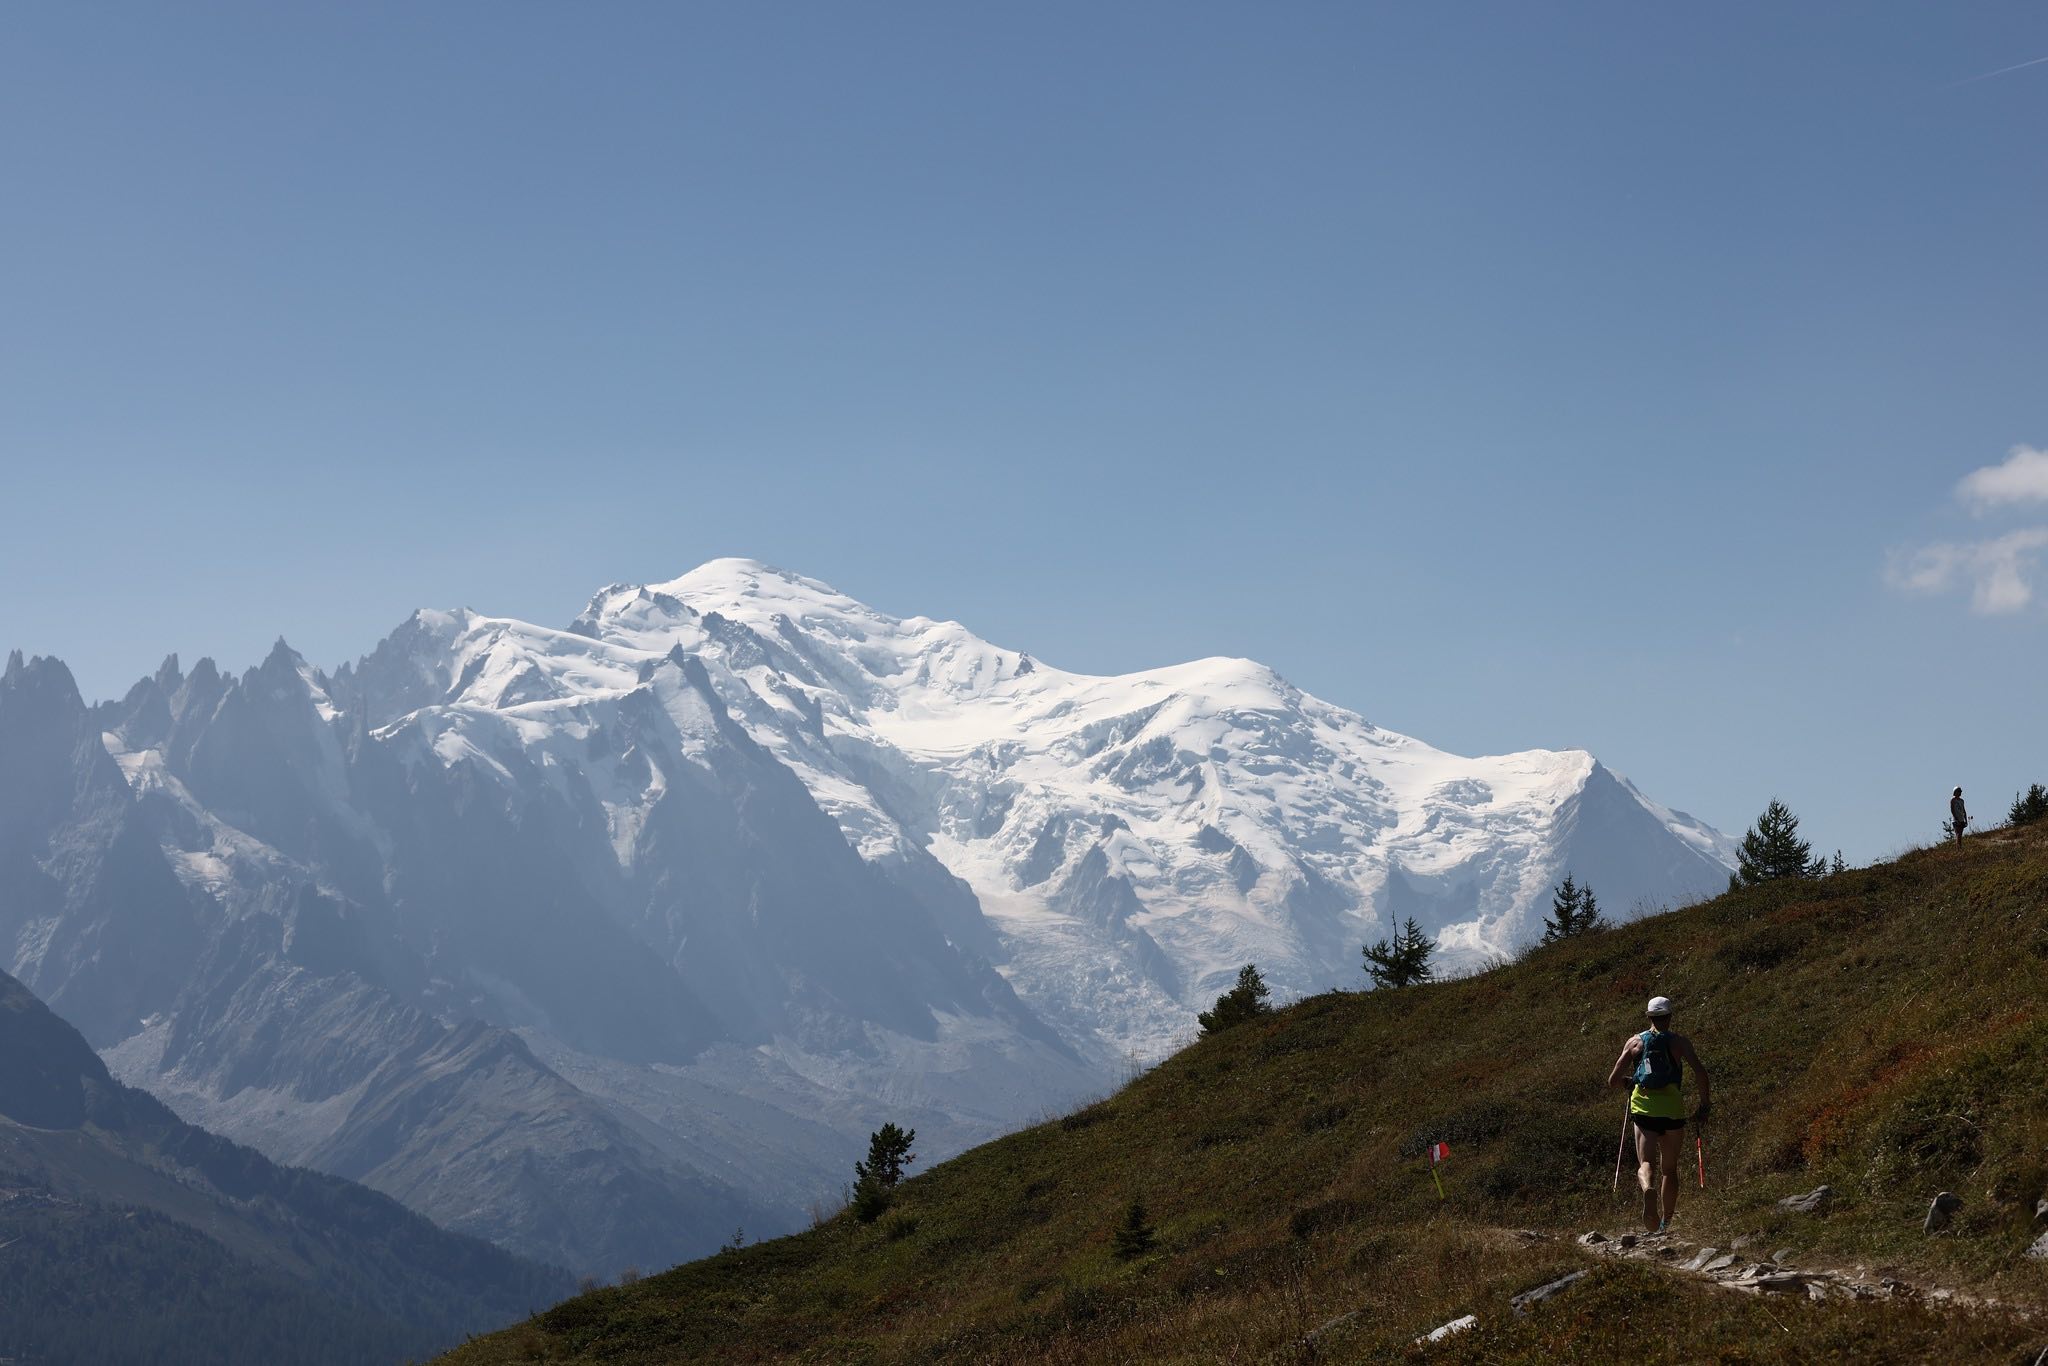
1958, 815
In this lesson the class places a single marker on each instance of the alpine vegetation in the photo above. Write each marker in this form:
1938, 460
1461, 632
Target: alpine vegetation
1245, 1001
1772, 849
875, 1176
1134, 1236
1573, 911
1281, 1192
1404, 960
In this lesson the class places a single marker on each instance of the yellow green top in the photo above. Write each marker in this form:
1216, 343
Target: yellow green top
1666, 1102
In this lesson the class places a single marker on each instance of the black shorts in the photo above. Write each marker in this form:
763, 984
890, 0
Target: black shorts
1657, 1124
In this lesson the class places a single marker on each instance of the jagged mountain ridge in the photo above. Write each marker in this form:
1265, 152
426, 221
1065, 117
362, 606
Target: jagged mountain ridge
246, 988
411, 974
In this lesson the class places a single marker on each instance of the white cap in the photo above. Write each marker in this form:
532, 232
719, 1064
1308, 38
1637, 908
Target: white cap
1660, 1005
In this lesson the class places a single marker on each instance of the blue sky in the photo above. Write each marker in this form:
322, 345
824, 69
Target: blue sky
1601, 375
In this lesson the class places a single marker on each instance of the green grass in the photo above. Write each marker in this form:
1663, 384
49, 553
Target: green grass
1881, 1031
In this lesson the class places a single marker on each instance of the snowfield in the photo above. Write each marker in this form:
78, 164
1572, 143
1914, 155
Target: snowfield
1132, 840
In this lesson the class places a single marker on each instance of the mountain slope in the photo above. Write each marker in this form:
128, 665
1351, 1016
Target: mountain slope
132, 1236
599, 941
1881, 1031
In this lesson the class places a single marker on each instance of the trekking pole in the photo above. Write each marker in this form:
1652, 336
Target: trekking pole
1620, 1149
1699, 1146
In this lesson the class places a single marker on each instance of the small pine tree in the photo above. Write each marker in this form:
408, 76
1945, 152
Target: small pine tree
1245, 1001
868, 1200
1133, 1237
2028, 806
1564, 910
1402, 962
888, 1154
1772, 849
1573, 911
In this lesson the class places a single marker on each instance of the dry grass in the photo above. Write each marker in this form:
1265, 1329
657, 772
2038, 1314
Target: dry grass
1880, 1030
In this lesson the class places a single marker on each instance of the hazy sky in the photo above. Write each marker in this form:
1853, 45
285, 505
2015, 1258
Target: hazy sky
1590, 375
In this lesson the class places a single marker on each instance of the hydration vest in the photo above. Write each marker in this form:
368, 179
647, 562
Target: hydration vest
1656, 1066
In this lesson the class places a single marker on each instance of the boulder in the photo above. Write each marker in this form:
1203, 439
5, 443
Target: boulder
1815, 1201
1940, 1211
1541, 1293
2040, 1247
1453, 1327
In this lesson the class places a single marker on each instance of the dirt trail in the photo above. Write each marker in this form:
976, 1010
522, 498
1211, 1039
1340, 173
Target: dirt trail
1741, 1267
1731, 1269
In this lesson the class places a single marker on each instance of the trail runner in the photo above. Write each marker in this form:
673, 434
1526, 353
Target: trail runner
1653, 1063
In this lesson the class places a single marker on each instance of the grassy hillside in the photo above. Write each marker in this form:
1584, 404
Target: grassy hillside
1881, 1030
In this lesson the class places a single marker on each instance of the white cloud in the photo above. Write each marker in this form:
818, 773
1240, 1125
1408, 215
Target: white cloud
2023, 478
2000, 572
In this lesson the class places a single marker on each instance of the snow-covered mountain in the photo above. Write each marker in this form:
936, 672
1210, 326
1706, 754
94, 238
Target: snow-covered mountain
1132, 840
595, 941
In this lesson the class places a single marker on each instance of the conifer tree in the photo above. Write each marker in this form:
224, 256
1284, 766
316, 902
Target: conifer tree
1134, 1236
888, 1154
1245, 1001
2028, 806
1402, 962
1573, 911
1839, 865
1772, 849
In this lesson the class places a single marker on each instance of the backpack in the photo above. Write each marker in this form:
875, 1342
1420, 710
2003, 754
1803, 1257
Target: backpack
1656, 1068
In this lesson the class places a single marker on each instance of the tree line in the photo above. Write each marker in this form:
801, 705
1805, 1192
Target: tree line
1769, 851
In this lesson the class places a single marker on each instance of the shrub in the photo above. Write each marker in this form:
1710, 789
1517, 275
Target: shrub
1245, 1001
1133, 1237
